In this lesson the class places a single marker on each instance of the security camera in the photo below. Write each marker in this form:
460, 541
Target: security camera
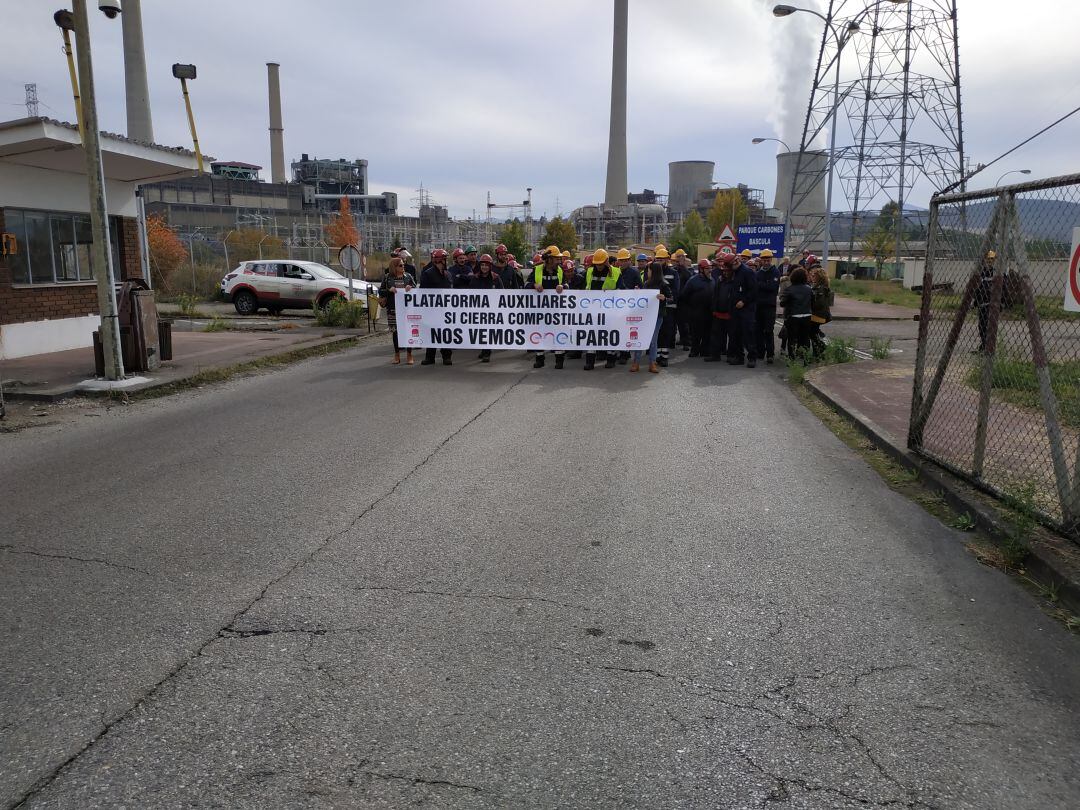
110, 8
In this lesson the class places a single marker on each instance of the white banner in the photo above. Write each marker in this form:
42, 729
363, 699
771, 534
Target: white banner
525, 319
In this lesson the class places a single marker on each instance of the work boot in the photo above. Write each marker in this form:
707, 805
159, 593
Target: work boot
446, 361
397, 358
624, 357
539, 361
589, 363
610, 362
733, 361
663, 361
751, 364
485, 357
769, 360
428, 361
655, 369
694, 353
634, 366
559, 360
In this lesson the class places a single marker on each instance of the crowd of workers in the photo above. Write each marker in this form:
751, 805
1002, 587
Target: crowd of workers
723, 308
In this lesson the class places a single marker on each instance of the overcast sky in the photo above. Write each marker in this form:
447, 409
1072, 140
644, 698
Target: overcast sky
467, 96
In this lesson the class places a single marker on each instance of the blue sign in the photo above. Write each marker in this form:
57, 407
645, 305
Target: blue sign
756, 238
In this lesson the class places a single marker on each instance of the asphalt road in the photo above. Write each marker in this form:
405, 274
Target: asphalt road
346, 584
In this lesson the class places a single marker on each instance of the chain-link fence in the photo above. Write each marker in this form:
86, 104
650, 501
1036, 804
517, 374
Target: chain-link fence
997, 376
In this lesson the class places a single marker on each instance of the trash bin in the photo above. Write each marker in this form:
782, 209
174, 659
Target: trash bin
164, 331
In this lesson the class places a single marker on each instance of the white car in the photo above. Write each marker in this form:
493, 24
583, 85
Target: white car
277, 284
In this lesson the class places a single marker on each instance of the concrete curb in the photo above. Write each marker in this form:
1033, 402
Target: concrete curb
71, 391
1041, 564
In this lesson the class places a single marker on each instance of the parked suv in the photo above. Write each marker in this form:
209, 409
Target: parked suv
277, 284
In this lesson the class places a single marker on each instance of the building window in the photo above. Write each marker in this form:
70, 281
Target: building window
55, 247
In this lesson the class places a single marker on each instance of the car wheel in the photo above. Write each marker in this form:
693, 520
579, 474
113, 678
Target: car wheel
245, 302
324, 304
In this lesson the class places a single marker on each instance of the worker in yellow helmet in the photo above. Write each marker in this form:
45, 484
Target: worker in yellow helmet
600, 275
984, 294
667, 333
548, 276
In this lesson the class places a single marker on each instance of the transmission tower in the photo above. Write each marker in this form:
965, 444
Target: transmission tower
31, 100
897, 107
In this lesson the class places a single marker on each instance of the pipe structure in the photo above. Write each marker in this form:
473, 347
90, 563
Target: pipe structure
140, 126
277, 130
615, 193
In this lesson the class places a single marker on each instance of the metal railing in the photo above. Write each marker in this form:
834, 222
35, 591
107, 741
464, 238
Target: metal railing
997, 374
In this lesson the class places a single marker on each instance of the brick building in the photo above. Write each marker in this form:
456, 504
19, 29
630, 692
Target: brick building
48, 296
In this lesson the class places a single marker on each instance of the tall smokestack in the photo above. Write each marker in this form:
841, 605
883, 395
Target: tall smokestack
140, 127
277, 130
615, 194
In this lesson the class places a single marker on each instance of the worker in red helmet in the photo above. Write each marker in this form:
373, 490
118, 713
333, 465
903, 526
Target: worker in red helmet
505, 269
695, 300
459, 269
436, 276
485, 279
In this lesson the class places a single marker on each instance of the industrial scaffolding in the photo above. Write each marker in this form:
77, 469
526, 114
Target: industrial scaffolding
893, 101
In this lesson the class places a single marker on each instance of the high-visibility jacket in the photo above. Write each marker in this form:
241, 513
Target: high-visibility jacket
609, 282
538, 274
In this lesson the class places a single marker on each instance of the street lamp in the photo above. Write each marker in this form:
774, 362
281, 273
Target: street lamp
101, 257
841, 40
183, 73
1014, 171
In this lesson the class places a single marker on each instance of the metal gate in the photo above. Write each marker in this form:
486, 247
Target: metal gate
997, 374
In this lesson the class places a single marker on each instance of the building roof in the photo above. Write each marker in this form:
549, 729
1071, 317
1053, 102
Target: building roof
239, 164
46, 143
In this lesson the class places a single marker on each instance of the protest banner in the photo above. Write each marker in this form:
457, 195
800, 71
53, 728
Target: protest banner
525, 319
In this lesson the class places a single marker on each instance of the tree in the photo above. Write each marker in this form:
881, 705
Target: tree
886, 220
561, 233
244, 245
167, 252
879, 245
691, 233
341, 230
727, 199
513, 235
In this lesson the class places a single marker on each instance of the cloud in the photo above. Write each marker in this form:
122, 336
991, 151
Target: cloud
478, 95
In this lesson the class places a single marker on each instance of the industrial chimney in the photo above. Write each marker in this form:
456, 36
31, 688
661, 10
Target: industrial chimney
615, 193
139, 124
277, 130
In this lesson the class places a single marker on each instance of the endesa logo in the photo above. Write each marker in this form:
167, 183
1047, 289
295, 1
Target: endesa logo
558, 338
612, 302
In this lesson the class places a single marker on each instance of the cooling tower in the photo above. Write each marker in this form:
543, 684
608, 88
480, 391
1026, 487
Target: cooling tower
277, 130
685, 179
809, 198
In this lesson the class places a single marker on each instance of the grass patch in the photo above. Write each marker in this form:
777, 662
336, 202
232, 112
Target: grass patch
1013, 380
877, 292
342, 314
216, 325
880, 348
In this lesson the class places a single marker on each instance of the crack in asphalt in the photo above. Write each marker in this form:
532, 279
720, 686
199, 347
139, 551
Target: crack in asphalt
10, 549
466, 595
829, 724
419, 780
47, 779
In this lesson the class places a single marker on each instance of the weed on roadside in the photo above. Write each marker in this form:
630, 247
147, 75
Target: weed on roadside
838, 350
342, 313
964, 523
796, 371
217, 324
189, 305
880, 348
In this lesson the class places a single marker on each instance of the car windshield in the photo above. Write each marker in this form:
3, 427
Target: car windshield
321, 271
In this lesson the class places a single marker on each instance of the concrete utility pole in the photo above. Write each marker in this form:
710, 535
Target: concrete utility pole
615, 193
100, 256
140, 126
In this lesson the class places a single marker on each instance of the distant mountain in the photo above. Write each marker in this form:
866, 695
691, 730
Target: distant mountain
1039, 219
